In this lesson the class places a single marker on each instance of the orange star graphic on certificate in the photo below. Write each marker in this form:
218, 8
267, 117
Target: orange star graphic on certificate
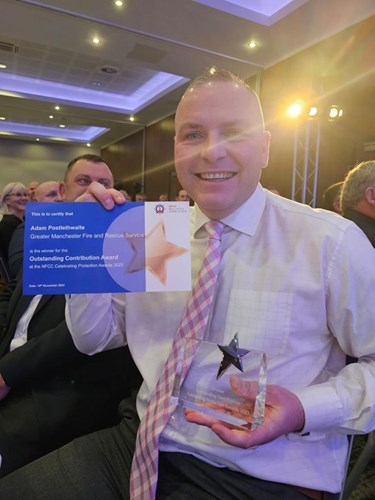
159, 251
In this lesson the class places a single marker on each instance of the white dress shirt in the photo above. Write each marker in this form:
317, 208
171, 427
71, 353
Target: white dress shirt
294, 282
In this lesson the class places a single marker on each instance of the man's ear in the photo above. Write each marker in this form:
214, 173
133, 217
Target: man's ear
370, 195
337, 206
266, 147
62, 190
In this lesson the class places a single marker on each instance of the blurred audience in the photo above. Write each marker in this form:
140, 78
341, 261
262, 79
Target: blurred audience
31, 190
12, 205
140, 197
331, 197
49, 191
163, 197
358, 198
182, 196
51, 393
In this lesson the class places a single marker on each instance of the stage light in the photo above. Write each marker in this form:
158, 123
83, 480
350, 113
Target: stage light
295, 110
313, 111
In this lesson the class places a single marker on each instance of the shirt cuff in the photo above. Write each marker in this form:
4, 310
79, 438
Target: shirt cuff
322, 407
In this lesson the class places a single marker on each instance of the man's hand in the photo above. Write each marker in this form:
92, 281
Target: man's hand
4, 389
283, 413
107, 197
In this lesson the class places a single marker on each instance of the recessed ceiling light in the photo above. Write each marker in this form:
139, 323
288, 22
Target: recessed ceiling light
88, 145
62, 125
37, 139
57, 108
50, 116
96, 40
132, 118
3, 66
212, 70
119, 3
252, 44
2, 118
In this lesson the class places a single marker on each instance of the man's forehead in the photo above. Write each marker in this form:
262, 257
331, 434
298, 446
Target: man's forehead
91, 169
225, 96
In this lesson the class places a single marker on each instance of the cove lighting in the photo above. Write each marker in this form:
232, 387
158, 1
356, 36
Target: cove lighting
266, 12
77, 133
155, 87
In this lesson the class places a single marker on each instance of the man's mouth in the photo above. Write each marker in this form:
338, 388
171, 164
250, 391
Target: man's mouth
215, 176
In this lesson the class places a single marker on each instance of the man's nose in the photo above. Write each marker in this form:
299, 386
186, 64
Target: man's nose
214, 148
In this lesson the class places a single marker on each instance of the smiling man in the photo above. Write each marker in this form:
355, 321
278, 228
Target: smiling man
293, 282
219, 155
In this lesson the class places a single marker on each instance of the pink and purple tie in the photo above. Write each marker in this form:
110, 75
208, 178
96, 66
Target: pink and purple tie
144, 471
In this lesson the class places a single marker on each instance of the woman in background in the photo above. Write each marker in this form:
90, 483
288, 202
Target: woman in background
12, 206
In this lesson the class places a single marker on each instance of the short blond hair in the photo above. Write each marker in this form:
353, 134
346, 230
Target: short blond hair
8, 189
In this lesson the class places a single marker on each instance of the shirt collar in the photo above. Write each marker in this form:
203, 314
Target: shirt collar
245, 219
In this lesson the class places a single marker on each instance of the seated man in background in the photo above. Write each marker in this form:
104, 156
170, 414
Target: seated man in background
50, 393
31, 190
358, 198
182, 196
163, 197
331, 197
49, 191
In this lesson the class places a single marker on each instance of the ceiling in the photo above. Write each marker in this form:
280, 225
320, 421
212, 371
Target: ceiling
148, 51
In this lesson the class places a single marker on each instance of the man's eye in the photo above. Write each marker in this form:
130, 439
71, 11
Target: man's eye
192, 136
105, 184
234, 134
83, 182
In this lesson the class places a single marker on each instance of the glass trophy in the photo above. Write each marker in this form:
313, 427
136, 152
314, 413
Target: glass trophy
206, 386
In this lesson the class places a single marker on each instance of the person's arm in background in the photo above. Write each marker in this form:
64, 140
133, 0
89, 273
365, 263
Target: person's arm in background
15, 250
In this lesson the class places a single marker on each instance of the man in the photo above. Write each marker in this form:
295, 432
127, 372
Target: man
182, 196
79, 174
49, 191
50, 392
163, 197
331, 197
292, 282
31, 189
358, 198
140, 197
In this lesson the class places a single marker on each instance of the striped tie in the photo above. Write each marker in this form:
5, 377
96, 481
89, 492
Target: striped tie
144, 471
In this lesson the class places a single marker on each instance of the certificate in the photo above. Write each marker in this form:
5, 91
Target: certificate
83, 248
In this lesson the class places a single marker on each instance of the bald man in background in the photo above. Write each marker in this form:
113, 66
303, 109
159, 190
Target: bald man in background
49, 191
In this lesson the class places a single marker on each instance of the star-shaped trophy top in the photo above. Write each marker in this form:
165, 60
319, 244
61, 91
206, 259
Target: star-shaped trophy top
232, 355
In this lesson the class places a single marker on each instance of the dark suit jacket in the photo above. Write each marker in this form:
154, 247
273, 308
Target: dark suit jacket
57, 393
367, 224
8, 224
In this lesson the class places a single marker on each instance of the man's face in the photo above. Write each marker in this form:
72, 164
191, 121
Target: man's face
48, 192
82, 174
220, 146
30, 192
183, 196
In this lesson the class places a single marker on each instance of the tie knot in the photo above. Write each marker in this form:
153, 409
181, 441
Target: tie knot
214, 229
